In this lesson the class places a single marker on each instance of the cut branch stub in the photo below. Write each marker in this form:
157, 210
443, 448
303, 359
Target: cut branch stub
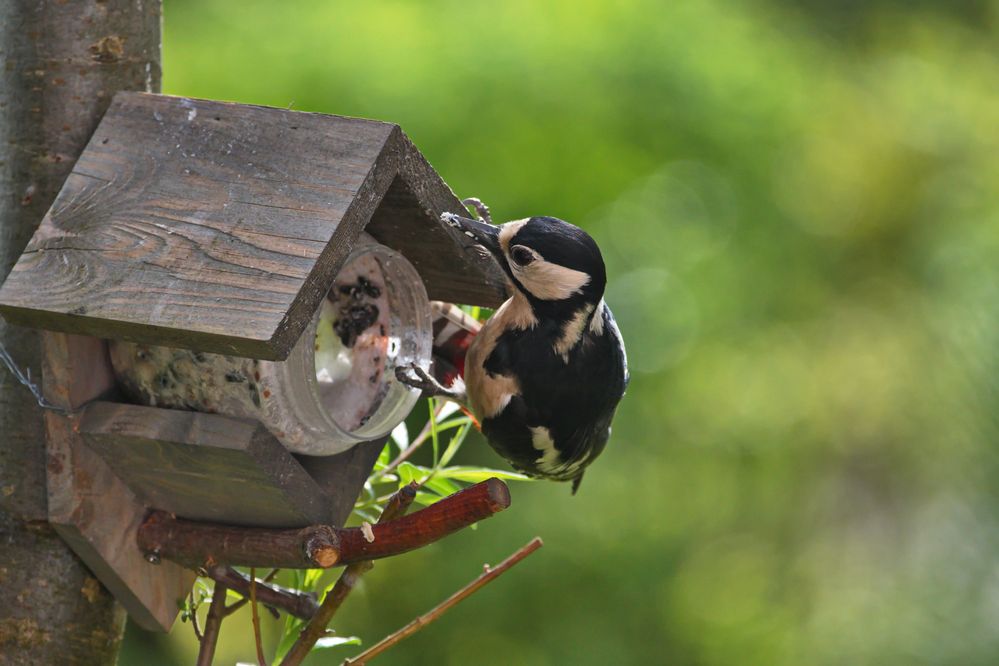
196, 545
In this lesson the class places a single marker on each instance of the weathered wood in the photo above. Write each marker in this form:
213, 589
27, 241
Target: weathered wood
59, 65
76, 369
408, 220
342, 476
220, 226
88, 505
205, 466
195, 544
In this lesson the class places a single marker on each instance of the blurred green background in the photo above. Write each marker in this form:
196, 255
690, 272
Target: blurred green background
798, 203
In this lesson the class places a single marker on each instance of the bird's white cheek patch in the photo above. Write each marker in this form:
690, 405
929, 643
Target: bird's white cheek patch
550, 460
550, 282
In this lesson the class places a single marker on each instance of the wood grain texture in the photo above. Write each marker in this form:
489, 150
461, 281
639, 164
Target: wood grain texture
205, 466
88, 505
219, 227
408, 220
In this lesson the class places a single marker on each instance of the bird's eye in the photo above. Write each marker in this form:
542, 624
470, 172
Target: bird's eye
521, 255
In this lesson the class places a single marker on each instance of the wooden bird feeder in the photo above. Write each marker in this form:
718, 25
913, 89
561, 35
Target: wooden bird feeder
219, 228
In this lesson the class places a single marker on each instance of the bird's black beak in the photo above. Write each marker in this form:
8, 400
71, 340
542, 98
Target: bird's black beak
477, 232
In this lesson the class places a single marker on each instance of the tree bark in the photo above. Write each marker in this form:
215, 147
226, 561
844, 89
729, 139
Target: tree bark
60, 64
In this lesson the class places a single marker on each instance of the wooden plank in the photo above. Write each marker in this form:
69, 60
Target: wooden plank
88, 505
76, 369
408, 220
342, 476
219, 227
201, 224
206, 466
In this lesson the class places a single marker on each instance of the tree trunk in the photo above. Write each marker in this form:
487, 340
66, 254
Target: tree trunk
60, 63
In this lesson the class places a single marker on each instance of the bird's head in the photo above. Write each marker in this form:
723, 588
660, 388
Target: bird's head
553, 263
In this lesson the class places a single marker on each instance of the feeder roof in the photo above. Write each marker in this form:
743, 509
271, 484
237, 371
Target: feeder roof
220, 227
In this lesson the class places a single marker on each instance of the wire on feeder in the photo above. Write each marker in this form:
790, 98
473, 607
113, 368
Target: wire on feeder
24, 377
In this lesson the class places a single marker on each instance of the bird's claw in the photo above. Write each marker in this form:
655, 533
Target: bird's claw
481, 209
423, 381
426, 383
474, 203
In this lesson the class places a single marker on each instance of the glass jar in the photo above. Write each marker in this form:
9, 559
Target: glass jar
336, 389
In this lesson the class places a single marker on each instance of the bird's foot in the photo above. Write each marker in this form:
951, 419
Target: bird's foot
415, 376
480, 208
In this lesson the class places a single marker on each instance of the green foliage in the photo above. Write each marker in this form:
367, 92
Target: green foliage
436, 481
387, 477
798, 207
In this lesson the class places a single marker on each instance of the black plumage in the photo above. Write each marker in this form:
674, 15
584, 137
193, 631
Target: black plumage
553, 348
574, 400
545, 373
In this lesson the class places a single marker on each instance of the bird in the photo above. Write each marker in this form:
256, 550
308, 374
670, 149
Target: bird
546, 372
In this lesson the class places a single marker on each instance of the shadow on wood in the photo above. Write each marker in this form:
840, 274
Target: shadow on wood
220, 227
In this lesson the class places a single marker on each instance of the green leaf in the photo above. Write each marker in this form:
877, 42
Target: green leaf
202, 589
334, 641
477, 474
426, 499
434, 436
407, 473
452, 423
292, 628
365, 516
456, 442
384, 458
310, 579
442, 486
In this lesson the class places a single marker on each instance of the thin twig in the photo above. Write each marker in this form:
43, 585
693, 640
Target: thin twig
422, 437
316, 627
194, 617
435, 614
216, 613
232, 608
290, 601
256, 618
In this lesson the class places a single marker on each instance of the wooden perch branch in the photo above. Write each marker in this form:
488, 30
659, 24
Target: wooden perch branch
197, 545
419, 623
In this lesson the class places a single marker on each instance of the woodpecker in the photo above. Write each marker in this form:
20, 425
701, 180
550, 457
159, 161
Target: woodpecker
545, 373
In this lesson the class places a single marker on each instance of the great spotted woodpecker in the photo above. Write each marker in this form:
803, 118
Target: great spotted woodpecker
545, 373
